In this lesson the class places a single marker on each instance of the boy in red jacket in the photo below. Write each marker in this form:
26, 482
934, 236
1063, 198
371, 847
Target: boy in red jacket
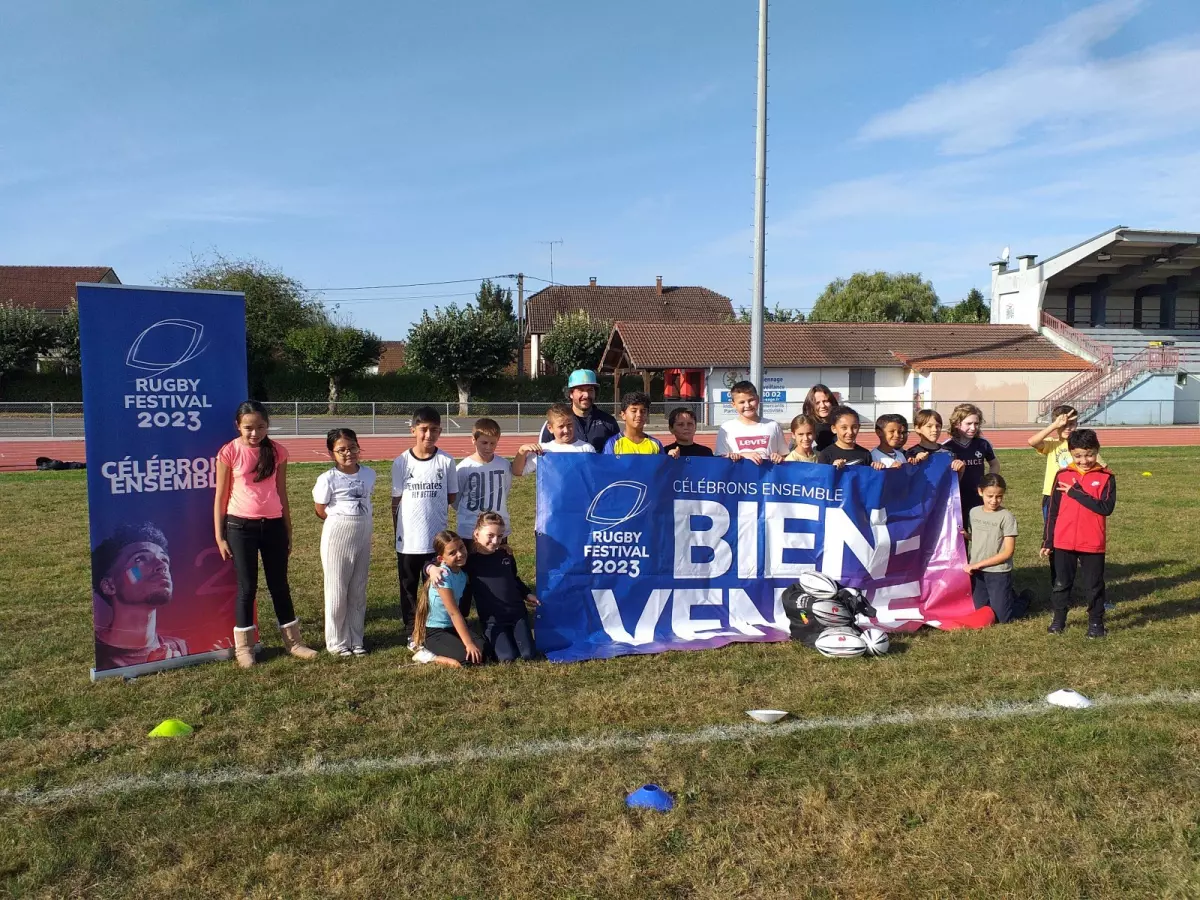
1084, 496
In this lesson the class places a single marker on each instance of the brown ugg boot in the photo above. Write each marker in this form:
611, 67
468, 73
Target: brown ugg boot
293, 643
243, 643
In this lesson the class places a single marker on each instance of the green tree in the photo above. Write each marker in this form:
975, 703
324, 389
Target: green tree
24, 335
335, 351
275, 305
462, 345
66, 337
778, 314
876, 297
575, 341
495, 299
972, 308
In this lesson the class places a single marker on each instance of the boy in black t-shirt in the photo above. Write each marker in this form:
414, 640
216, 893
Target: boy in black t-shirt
971, 453
844, 451
682, 422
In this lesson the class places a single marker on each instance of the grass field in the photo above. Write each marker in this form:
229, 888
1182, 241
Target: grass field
1020, 802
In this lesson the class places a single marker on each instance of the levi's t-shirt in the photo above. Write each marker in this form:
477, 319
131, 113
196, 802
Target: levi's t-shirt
761, 438
250, 499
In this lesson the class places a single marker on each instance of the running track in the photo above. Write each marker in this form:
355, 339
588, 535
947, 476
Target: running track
19, 455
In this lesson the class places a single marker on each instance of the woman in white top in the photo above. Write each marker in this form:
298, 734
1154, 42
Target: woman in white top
342, 497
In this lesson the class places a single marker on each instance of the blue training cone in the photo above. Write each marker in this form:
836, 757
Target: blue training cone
650, 796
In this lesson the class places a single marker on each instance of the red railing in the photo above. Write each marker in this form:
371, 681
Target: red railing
1090, 389
1102, 353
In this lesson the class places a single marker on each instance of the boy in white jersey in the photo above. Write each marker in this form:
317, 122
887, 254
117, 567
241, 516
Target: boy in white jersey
748, 436
484, 479
424, 487
561, 423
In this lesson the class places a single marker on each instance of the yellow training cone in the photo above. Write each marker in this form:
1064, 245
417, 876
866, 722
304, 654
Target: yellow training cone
171, 728
1145, 474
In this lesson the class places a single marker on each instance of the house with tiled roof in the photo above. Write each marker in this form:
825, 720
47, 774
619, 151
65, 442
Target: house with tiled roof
49, 289
391, 358
876, 367
678, 305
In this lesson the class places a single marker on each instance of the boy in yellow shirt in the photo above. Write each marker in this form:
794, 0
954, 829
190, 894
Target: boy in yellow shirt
635, 411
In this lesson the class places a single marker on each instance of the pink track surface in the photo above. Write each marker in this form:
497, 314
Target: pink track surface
19, 456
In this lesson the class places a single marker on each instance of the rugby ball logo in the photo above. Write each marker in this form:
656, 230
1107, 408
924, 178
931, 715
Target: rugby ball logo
618, 503
165, 345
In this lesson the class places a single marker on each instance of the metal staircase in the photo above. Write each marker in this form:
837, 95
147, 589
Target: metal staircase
1091, 389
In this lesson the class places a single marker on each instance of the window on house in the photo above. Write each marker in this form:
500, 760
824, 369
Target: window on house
862, 386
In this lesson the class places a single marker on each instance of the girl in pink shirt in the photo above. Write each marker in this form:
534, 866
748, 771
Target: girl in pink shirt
251, 517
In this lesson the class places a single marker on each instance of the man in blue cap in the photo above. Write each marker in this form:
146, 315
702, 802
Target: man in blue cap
591, 424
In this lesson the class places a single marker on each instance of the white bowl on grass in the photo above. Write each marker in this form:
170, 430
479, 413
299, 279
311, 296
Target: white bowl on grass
766, 716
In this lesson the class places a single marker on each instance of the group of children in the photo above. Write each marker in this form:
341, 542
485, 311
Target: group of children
442, 574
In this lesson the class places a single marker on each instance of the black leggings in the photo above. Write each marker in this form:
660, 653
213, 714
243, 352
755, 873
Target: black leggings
446, 642
247, 539
508, 641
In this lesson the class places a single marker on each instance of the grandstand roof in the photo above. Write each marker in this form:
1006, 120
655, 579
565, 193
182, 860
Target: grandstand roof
924, 347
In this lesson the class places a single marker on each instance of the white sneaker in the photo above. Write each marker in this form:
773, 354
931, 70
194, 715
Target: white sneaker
412, 646
424, 656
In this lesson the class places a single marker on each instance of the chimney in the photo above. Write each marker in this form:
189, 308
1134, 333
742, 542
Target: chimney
1025, 261
999, 267
592, 281
658, 284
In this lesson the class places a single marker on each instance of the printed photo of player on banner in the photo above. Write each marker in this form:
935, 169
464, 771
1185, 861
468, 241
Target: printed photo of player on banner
163, 369
645, 554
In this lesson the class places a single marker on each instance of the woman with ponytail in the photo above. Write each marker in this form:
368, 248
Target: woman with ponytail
251, 517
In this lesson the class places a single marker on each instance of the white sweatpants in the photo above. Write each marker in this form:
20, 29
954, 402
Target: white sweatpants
346, 559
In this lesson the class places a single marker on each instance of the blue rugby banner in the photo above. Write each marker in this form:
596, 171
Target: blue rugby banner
641, 554
163, 372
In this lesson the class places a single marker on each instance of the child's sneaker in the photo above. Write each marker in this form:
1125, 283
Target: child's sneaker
412, 646
1096, 630
360, 650
1057, 625
423, 656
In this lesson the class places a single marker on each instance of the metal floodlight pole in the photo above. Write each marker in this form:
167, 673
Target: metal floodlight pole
757, 311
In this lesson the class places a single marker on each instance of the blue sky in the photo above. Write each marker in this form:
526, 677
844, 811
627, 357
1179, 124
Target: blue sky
395, 143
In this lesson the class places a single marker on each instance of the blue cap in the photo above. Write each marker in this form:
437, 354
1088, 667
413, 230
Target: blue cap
582, 378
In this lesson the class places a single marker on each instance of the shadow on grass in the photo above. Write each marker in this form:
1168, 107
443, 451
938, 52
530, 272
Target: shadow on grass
1124, 586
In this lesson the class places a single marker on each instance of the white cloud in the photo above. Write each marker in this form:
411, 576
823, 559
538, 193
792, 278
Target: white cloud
1056, 88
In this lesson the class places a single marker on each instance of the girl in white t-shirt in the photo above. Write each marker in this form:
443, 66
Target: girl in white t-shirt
342, 497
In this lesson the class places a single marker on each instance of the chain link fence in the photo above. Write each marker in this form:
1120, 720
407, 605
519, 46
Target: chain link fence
65, 420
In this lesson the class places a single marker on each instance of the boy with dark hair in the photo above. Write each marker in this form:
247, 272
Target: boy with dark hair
635, 410
484, 479
748, 436
892, 431
682, 423
424, 487
1085, 494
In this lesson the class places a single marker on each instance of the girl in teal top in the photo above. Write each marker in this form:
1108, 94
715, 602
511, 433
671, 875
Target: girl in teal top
440, 633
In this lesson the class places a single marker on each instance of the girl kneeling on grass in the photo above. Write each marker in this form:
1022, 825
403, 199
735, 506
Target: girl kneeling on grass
440, 631
251, 517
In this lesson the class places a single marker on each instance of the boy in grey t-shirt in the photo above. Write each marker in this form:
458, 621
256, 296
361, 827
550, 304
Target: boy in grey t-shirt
993, 532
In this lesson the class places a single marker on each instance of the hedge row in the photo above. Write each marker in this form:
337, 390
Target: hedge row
294, 384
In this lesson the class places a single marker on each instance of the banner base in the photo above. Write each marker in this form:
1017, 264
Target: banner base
128, 672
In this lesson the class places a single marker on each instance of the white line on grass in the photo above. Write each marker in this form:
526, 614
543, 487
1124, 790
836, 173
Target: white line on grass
713, 734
